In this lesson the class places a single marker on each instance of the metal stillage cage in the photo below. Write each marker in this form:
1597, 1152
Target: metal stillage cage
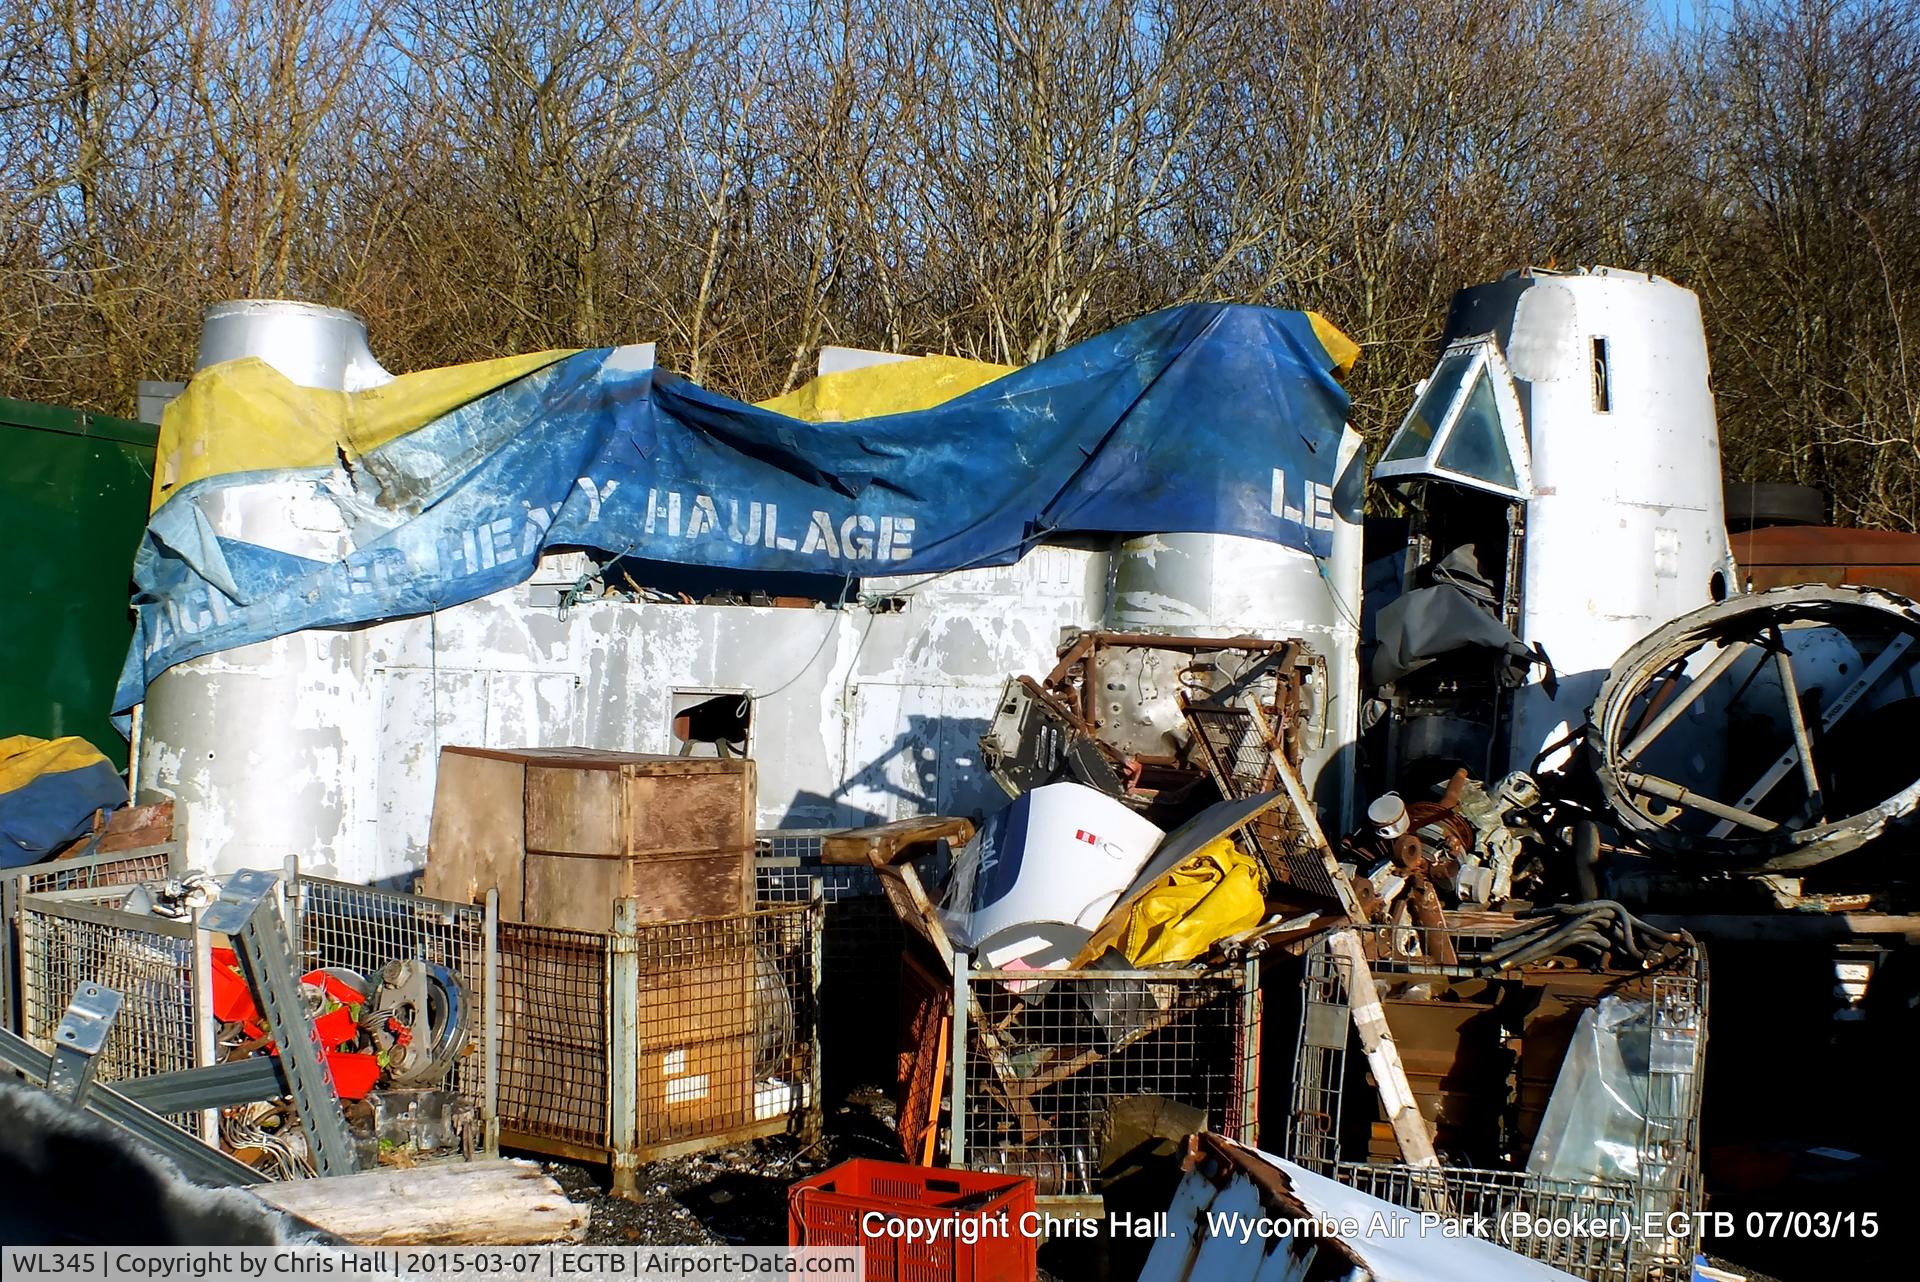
161, 969
115, 868
1040, 1066
1482, 1054
658, 1038
362, 929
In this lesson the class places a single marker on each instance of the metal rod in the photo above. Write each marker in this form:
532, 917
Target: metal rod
623, 1046
1250, 1052
1829, 718
1802, 742
206, 1030
490, 1042
1656, 787
957, 1145
813, 1111
1688, 697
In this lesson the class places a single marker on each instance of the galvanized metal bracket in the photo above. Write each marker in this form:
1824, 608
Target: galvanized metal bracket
197, 1161
240, 1081
78, 1038
248, 913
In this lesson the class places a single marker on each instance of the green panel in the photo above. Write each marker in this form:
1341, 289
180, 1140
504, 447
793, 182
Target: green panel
73, 500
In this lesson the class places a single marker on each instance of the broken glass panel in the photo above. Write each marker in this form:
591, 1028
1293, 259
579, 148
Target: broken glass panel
1416, 434
1477, 445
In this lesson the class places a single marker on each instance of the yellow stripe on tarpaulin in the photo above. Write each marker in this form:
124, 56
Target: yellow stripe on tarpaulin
900, 387
246, 416
24, 758
1343, 350
897, 387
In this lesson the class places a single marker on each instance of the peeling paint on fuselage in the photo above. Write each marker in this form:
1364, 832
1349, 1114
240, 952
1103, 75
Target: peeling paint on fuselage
325, 745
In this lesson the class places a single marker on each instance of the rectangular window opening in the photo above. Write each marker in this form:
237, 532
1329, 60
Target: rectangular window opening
1602, 377
708, 723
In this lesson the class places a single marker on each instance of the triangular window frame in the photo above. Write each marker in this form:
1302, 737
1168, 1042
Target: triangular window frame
1485, 361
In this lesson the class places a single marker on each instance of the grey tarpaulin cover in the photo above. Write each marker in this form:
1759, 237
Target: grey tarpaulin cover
1454, 614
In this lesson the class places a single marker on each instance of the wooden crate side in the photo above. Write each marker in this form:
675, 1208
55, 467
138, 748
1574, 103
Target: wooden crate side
573, 891
575, 812
689, 811
677, 887
476, 836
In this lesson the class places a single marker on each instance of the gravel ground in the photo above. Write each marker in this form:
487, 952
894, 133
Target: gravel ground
738, 1196
735, 1195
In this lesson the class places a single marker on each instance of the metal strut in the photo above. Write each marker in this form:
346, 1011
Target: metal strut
248, 914
199, 1162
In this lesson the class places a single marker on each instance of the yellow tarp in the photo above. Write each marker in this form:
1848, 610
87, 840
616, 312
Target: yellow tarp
1342, 349
24, 758
1213, 893
244, 416
897, 387
900, 387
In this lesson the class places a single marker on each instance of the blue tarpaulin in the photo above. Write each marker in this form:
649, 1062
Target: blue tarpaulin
1209, 418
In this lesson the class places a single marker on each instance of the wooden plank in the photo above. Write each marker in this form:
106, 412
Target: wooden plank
594, 759
128, 828
908, 899
1383, 1057
889, 843
491, 1203
1306, 816
477, 833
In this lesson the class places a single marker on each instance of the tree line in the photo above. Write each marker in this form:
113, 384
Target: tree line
743, 181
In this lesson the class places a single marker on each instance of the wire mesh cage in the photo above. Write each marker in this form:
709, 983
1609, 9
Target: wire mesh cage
69, 937
555, 1033
1045, 1067
114, 868
1483, 1054
860, 942
162, 968
723, 1024
658, 1038
362, 929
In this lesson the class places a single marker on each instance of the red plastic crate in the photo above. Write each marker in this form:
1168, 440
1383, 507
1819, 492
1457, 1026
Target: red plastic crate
830, 1209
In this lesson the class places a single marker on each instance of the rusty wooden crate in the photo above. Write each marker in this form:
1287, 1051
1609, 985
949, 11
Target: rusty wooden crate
564, 832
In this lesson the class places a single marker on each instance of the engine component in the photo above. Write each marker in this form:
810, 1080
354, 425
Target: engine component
417, 1015
1112, 713
1752, 733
